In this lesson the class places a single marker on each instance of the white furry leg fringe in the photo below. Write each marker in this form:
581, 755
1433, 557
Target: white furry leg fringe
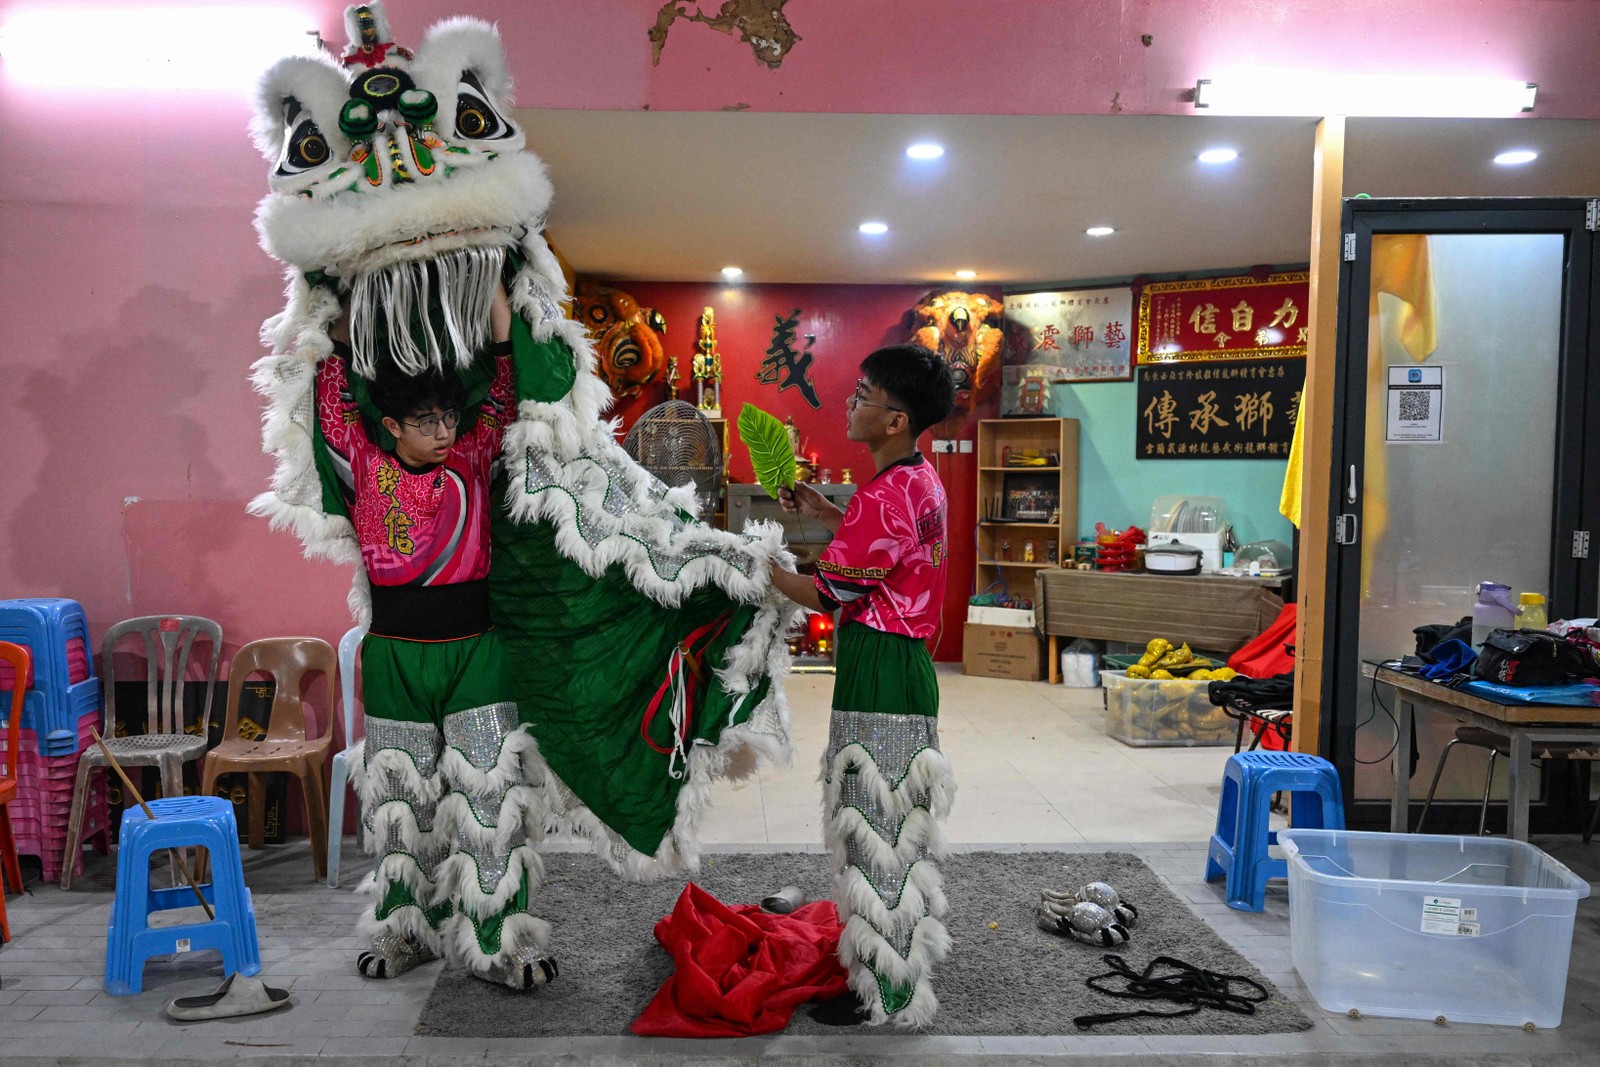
883, 808
398, 784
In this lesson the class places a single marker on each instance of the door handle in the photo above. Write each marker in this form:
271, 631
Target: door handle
1350, 485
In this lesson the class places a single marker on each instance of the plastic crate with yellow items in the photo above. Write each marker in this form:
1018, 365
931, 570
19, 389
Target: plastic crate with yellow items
1172, 712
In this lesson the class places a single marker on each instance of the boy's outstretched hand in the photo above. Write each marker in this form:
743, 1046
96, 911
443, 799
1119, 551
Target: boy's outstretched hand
812, 505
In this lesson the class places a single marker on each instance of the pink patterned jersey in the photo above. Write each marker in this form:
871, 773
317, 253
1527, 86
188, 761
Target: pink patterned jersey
416, 525
886, 565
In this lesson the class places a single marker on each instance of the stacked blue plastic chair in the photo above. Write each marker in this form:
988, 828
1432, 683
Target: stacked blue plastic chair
1238, 850
180, 822
55, 706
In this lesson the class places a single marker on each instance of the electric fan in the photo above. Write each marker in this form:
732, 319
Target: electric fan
674, 442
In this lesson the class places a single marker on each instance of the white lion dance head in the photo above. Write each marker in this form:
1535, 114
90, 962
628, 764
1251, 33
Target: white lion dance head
403, 178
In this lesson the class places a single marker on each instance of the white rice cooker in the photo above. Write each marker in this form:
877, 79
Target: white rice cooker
1172, 558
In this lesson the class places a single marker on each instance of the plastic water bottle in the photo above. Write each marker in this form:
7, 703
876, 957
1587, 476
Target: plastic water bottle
1533, 612
1493, 611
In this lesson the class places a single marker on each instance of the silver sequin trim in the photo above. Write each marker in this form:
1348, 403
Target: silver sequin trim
419, 740
601, 477
480, 733
492, 866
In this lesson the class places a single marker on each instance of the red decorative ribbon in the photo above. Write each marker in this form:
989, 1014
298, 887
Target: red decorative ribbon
682, 655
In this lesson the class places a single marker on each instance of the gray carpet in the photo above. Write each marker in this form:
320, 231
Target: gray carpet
1015, 979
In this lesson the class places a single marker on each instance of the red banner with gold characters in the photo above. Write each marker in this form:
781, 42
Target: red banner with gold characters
1239, 317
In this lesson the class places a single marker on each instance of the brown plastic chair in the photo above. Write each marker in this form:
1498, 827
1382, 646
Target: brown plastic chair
20, 660
289, 660
164, 744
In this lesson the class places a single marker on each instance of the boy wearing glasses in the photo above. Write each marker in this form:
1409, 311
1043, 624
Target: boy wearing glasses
412, 457
886, 786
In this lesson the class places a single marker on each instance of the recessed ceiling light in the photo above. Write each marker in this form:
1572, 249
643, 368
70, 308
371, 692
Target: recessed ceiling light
1516, 157
731, 273
1100, 231
874, 228
1218, 155
925, 150
966, 275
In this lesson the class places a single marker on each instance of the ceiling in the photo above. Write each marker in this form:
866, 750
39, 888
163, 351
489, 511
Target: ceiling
676, 196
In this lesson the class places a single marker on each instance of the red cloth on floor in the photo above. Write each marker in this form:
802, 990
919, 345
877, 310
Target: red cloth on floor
739, 970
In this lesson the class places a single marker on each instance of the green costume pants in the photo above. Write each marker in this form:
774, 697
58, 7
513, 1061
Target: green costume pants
452, 803
886, 792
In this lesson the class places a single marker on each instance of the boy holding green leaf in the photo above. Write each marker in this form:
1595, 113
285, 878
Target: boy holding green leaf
886, 785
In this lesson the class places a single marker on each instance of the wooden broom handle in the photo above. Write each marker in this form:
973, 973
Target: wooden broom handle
133, 791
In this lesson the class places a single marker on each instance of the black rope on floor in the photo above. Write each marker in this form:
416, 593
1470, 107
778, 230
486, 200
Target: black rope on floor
1184, 984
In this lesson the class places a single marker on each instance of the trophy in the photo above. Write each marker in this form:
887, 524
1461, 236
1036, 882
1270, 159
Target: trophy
707, 368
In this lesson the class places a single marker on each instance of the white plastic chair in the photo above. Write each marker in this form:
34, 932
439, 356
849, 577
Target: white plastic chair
349, 646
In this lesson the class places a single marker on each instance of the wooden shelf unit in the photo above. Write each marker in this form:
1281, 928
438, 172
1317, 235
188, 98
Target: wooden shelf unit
995, 478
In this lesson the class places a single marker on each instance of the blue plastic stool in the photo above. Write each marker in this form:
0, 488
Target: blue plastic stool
1239, 847
54, 708
181, 822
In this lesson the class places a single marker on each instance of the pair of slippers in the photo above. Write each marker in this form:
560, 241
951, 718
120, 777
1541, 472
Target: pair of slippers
1096, 915
238, 995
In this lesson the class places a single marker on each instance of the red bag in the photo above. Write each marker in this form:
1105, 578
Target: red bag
741, 971
1268, 654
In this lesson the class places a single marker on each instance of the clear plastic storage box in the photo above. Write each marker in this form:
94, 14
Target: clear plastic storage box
1421, 926
1159, 711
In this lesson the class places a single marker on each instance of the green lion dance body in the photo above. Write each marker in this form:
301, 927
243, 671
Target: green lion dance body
597, 656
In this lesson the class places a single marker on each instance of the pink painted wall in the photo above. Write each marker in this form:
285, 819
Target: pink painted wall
131, 287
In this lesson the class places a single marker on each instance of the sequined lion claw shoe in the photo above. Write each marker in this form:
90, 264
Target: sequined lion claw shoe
392, 955
520, 975
1095, 915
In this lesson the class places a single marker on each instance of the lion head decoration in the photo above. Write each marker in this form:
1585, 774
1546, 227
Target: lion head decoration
401, 186
966, 330
627, 337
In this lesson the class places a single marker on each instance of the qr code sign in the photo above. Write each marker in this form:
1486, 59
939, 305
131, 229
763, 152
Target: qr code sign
1415, 405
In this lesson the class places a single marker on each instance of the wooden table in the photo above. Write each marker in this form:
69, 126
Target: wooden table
1526, 725
1207, 611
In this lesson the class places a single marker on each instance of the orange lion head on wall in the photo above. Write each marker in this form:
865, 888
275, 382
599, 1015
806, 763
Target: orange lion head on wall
966, 330
627, 338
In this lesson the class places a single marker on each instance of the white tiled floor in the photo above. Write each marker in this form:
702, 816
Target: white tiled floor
1033, 764
1034, 770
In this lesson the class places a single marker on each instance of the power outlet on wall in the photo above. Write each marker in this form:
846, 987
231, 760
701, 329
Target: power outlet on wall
941, 444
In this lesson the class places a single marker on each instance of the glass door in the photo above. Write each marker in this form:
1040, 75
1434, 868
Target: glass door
1464, 343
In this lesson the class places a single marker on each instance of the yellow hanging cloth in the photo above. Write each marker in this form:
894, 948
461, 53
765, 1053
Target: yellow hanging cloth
1289, 502
1400, 269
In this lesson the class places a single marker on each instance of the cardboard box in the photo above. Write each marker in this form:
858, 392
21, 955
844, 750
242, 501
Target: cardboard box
1002, 652
1014, 617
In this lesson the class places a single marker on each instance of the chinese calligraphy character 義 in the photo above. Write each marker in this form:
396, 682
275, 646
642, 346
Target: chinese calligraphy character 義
1205, 416
783, 366
1161, 413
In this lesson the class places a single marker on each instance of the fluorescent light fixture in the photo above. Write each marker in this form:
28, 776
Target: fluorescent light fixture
732, 273
1100, 231
873, 229
156, 47
1289, 92
1218, 155
966, 275
1516, 157
925, 150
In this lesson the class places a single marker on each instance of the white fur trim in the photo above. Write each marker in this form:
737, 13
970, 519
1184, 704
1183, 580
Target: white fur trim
520, 817
458, 881
371, 780
319, 84
920, 834
923, 894
863, 951
455, 46
929, 780
408, 921
518, 928
518, 752
359, 231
